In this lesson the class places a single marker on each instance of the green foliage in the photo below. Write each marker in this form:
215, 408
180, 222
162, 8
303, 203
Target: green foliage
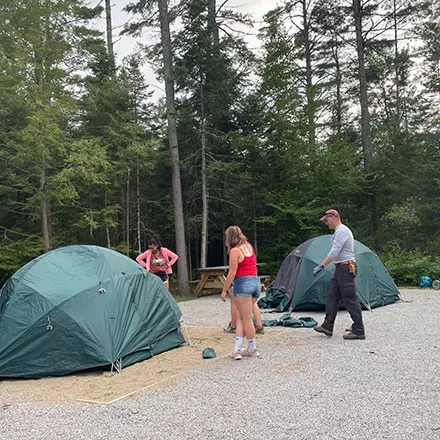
82, 145
17, 250
405, 267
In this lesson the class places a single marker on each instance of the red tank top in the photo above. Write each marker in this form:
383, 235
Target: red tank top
248, 267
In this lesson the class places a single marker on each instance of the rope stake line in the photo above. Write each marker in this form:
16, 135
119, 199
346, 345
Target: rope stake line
97, 402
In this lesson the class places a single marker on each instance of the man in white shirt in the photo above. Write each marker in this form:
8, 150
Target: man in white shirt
343, 286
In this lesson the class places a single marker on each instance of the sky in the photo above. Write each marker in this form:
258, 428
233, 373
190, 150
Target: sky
124, 45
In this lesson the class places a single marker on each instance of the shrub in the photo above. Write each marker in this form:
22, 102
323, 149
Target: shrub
405, 267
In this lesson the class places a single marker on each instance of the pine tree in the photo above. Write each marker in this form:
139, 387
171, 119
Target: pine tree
39, 42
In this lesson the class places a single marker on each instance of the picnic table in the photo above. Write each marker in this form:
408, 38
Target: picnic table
213, 278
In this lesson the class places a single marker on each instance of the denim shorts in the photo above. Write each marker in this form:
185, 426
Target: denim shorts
247, 286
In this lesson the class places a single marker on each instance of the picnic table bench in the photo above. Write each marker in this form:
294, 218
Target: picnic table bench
213, 278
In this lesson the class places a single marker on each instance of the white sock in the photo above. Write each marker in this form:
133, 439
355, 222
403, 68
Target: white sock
238, 343
252, 344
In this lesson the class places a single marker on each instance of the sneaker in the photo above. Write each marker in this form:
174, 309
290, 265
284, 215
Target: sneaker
250, 353
259, 329
236, 355
352, 336
321, 329
229, 329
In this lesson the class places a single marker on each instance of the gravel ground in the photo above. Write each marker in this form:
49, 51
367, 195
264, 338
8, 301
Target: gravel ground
304, 386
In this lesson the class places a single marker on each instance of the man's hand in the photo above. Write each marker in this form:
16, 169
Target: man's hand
223, 296
318, 269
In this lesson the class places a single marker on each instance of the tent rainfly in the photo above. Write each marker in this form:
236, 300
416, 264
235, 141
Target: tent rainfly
82, 307
295, 286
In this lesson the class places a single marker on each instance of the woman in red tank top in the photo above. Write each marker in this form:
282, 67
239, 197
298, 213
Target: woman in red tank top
246, 289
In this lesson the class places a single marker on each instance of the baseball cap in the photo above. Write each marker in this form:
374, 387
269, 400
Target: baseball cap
330, 213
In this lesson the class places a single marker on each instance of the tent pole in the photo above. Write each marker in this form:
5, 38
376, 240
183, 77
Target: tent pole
185, 330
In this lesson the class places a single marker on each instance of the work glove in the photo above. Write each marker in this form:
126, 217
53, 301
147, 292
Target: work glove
318, 269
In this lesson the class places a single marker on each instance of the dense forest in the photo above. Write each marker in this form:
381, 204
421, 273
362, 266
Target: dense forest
339, 108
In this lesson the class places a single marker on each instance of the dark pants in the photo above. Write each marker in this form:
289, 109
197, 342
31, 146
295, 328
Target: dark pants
343, 287
162, 275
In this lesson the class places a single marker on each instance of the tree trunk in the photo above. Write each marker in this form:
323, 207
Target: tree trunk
138, 207
396, 66
225, 252
213, 30
190, 267
174, 148
212, 24
367, 143
110, 50
254, 214
128, 211
45, 214
107, 229
107, 233
204, 240
338, 107
365, 114
123, 229
310, 92
45, 225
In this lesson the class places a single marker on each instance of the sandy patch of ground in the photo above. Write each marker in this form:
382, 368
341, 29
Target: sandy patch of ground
106, 387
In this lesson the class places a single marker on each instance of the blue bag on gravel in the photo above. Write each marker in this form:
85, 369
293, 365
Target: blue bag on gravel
425, 281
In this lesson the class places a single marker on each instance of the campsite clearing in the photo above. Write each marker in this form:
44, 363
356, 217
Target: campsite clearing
304, 386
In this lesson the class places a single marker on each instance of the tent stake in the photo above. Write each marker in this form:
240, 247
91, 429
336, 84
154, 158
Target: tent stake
185, 330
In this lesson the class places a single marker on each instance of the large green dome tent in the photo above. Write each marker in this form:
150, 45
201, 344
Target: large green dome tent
82, 307
295, 286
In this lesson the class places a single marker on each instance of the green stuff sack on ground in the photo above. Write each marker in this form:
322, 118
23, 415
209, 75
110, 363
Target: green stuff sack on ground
287, 320
208, 353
